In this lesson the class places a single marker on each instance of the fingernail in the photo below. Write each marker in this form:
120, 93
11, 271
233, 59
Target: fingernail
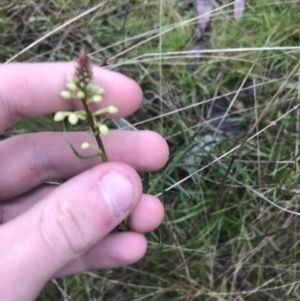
117, 190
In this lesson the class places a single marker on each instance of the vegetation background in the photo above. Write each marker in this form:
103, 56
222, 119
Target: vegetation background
232, 225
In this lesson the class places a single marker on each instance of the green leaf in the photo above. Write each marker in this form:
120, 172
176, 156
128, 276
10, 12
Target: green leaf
157, 237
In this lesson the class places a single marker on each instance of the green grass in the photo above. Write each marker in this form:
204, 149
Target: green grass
222, 241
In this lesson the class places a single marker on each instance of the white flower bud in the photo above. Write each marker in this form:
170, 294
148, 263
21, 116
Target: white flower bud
85, 145
97, 98
80, 94
112, 109
59, 116
66, 94
72, 86
103, 129
73, 119
96, 89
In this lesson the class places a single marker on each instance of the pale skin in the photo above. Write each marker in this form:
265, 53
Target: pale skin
49, 231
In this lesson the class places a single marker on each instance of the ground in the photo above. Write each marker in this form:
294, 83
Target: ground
231, 119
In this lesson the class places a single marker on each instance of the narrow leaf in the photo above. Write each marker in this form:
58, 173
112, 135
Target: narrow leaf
157, 237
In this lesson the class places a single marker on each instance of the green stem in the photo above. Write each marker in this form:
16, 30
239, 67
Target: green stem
92, 125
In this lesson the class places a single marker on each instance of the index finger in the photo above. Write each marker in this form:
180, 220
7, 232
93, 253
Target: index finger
32, 89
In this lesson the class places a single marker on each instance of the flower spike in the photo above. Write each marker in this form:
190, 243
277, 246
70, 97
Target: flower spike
81, 89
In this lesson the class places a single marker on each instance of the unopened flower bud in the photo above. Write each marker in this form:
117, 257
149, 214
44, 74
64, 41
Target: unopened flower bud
73, 119
59, 116
71, 85
66, 94
103, 129
95, 89
80, 94
85, 145
97, 98
112, 109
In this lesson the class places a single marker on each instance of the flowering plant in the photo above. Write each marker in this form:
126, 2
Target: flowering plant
81, 89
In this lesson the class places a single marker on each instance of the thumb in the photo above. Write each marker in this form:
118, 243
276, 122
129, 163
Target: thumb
63, 226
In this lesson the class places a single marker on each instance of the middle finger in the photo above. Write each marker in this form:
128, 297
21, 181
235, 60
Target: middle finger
32, 159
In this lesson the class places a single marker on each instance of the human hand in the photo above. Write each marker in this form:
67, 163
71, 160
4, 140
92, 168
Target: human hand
49, 231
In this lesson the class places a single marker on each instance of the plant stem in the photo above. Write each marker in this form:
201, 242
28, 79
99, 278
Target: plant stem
92, 125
